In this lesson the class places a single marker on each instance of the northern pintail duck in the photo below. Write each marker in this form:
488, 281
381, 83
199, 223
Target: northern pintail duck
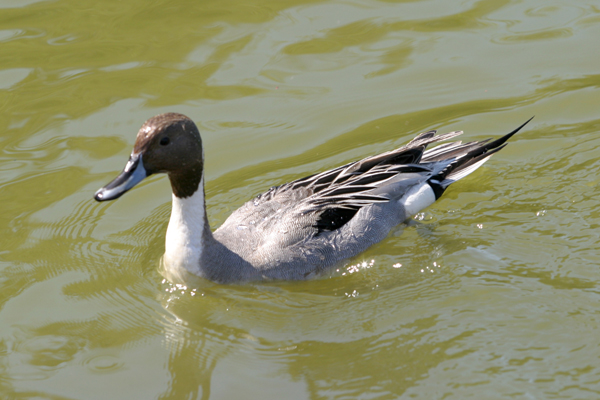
299, 229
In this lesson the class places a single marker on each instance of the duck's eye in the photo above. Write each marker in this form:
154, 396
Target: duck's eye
164, 141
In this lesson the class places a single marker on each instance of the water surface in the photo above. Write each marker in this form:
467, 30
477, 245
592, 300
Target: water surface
494, 294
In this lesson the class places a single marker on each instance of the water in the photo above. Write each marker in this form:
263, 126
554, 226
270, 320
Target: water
494, 294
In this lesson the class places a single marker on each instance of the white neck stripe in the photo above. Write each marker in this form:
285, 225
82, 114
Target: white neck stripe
183, 247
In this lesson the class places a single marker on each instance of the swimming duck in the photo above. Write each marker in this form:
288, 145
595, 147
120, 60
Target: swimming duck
299, 229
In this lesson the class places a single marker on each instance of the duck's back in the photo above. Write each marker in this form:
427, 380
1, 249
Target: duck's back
298, 229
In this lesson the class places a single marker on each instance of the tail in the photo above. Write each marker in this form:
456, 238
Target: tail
467, 158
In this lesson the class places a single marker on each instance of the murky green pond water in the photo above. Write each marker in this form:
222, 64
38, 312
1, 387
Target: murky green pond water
498, 293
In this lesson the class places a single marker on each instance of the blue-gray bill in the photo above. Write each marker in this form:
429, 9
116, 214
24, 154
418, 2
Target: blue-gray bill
133, 173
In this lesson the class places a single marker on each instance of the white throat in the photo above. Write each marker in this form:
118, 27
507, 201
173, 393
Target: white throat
183, 247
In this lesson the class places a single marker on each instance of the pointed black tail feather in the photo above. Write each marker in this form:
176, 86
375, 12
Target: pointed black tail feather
503, 139
468, 162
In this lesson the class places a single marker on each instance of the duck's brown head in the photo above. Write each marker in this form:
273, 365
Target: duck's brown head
167, 143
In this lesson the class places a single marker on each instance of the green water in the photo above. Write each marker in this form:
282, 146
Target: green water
497, 295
